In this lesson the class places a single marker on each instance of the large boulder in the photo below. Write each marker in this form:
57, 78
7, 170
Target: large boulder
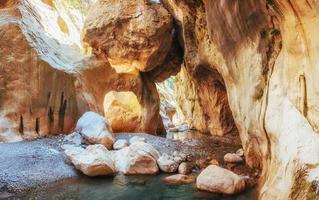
95, 160
132, 34
138, 158
95, 129
219, 180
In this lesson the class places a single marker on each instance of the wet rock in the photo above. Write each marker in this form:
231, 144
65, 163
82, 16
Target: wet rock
240, 152
185, 168
233, 158
219, 180
179, 179
137, 139
138, 158
167, 163
120, 144
95, 160
95, 129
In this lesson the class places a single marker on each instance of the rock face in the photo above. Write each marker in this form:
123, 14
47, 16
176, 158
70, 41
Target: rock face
95, 160
219, 180
130, 33
138, 158
37, 97
95, 129
263, 54
57, 79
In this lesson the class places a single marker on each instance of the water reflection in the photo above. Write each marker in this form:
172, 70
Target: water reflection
128, 188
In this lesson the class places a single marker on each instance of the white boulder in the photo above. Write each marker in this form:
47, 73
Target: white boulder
138, 158
95, 129
219, 180
95, 160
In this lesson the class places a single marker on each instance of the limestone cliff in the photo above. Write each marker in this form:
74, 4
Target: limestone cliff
49, 77
265, 54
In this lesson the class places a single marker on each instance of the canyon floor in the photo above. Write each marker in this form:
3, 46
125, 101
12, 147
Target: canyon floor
29, 165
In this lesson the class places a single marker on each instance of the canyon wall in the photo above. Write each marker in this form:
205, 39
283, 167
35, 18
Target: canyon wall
264, 53
49, 77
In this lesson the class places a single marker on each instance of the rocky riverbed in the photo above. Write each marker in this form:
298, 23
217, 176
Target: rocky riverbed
27, 165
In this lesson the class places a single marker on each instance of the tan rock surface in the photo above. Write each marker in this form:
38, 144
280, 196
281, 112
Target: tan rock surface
219, 180
265, 52
95, 160
131, 34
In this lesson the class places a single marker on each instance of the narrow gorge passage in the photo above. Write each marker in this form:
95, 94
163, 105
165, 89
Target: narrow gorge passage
182, 99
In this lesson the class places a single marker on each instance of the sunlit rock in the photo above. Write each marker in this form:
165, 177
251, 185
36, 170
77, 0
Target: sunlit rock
219, 180
95, 129
124, 111
38, 96
95, 160
131, 34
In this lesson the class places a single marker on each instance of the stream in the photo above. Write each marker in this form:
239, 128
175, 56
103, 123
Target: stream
127, 187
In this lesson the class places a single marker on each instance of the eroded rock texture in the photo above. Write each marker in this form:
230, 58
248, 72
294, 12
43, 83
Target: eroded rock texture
48, 78
35, 98
132, 34
201, 91
266, 53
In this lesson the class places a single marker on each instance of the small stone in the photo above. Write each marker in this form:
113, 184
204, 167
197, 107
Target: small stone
233, 158
185, 168
167, 163
179, 179
120, 144
201, 163
240, 152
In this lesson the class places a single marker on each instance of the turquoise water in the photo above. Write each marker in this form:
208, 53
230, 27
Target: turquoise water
127, 188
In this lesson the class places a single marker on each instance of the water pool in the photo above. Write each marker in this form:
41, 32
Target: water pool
127, 188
